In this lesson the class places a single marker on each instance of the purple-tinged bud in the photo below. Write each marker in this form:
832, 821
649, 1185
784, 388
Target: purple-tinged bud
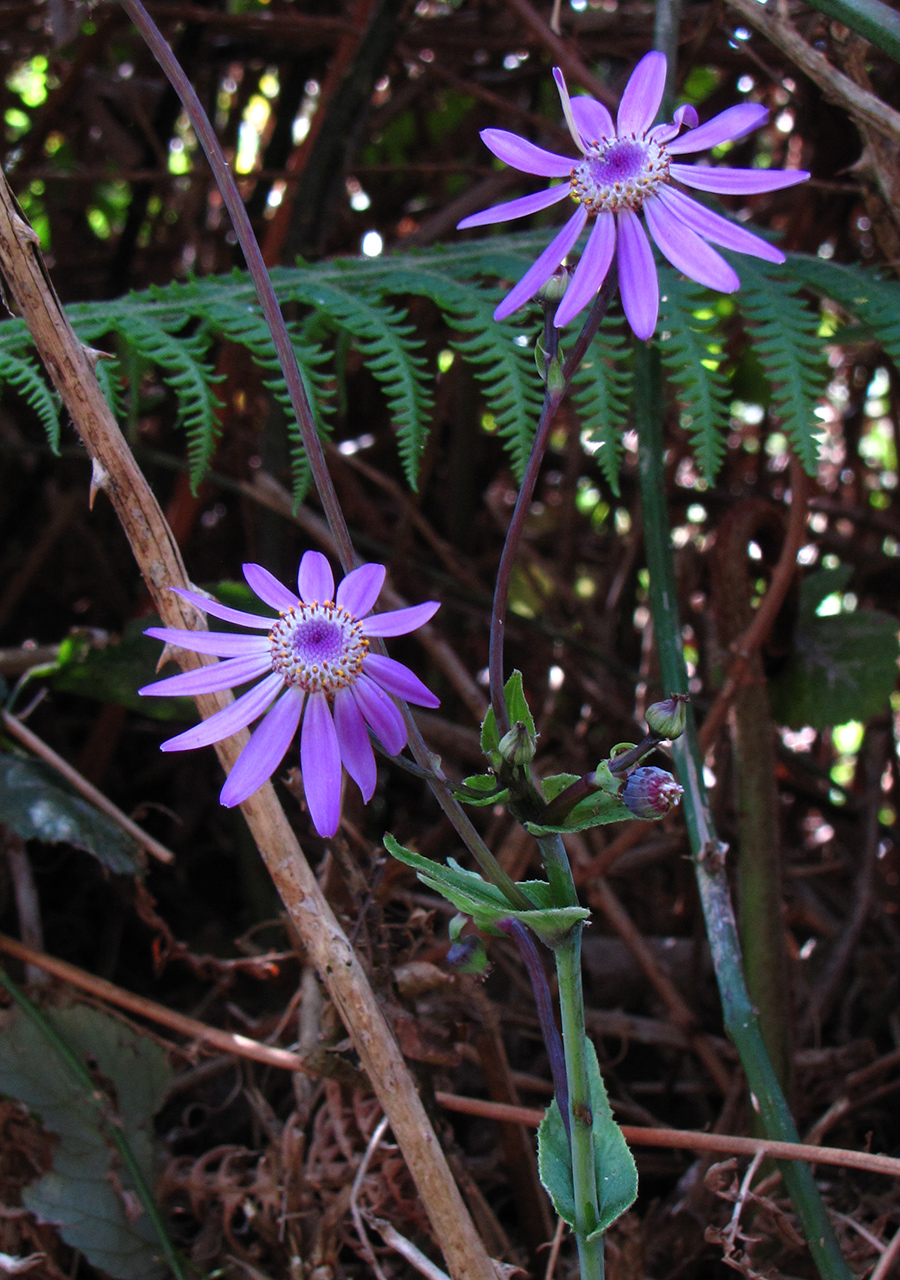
468, 955
650, 793
667, 719
517, 746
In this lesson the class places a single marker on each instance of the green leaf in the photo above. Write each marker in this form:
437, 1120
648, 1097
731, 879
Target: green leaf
37, 807
843, 667
485, 903
517, 709
594, 811
87, 1194
115, 671
488, 788
616, 1172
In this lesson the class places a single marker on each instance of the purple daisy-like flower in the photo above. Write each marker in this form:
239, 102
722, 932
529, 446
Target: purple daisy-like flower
314, 655
627, 168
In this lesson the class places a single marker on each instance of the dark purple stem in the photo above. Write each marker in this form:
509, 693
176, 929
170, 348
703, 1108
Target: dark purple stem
258, 273
552, 400
544, 1002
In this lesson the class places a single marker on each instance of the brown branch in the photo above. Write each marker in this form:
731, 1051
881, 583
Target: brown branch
116, 471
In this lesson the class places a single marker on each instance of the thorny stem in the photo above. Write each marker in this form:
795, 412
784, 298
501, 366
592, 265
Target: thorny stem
206, 136
552, 399
300, 403
740, 1017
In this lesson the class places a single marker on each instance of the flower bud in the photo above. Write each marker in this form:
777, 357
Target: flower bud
667, 719
517, 746
650, 793
552, 292
467, 952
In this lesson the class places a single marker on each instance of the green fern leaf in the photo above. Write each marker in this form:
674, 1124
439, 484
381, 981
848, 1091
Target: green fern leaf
180, 362
786, 339
691, 350
861, 293
388, 347
27, 378
601, 390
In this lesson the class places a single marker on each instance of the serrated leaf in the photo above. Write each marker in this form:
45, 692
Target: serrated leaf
616, 1172
843, 667
37, 807
485, 784
83, 1193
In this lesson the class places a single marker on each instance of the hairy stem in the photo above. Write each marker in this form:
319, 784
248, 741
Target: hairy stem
740, 1017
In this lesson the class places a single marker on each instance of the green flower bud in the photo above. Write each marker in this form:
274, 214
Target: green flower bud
467, 952
650, 793
667, 719
552, 292
517, 746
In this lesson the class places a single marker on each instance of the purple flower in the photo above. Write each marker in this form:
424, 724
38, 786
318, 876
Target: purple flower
315, 654
626, 168
651, 792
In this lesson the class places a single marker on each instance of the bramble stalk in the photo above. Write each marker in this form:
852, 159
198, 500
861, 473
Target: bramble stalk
740, 1017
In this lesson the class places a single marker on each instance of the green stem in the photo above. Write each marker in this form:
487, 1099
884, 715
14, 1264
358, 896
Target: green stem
571, 1008
109, 1125
739, 1015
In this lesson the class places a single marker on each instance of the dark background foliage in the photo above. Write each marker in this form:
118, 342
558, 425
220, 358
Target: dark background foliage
353, 127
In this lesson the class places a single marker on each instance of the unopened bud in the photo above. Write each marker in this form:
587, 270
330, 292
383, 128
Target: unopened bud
667, 719
650, 793
517, 746
552, 292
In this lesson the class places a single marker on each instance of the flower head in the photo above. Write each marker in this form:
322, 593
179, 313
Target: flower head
651, 792
625, 169
315, 663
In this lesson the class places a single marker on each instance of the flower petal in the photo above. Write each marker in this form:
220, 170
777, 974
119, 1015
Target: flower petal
399, 680
221, 643
686, 251
716, 228
684, 115
381, 713
399, 622
524, 155
638, 284
546, 264
315, 581
320, 764
519, 208
359, 590
223, 611
643, 94
210, 679
265, 750
353, 741
566, 101
727, 126
592, 119
591, 270
268, 588
237, 715
738, 182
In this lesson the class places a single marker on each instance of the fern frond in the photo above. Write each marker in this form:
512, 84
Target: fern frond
601, 388
874, 302
26, 377
389, 348
691, 350
786, 339
180, 362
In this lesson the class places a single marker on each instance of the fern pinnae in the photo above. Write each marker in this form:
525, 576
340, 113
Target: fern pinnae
600, 389
391, 352
786, 339
690, 351
858, 291
26, 377
179, 360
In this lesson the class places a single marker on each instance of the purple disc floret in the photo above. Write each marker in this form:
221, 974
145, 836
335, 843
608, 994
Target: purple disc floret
627, 168
312, 664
